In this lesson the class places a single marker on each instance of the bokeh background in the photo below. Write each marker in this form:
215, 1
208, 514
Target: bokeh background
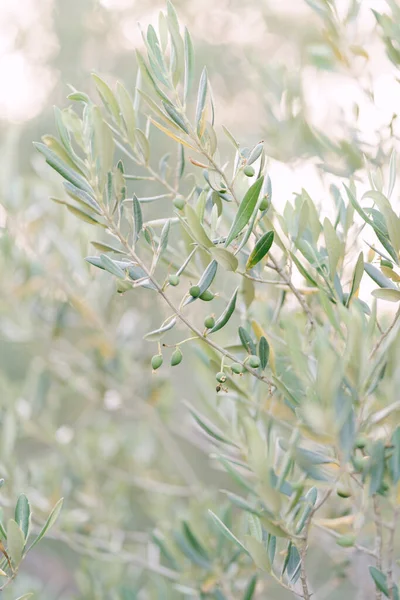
81, 416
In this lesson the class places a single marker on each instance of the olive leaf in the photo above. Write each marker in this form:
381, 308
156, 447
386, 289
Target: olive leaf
245, 210
260, 250
226, 315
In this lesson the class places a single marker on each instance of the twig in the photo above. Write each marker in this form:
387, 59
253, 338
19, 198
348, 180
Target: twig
384, 335
275, 265
334, 534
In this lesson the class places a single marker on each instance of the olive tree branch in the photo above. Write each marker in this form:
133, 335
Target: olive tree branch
115, 230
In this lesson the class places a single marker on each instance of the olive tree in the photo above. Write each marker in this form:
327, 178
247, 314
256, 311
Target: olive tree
302, 415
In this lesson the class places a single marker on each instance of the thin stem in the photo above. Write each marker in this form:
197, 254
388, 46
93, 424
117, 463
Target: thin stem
334, 534
384, 335
303, 572
295, 291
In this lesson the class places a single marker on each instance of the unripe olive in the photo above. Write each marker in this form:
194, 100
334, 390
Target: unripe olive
207, 296
179, 202
123, 286
173, 279
343, 492
194, 291
248, 171
346, 541
209, 322
384, 488
176, 357
156, 361
358, 463
254, 361
221, 377
386, 263
264, 204
237, 368
361, 441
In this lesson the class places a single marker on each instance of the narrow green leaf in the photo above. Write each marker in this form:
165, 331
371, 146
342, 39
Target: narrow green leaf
53, 144
208, 276
225, 531
82, 215
157, 334
226, 315
189, 65
127, 111
245, 210
379, 580
142, 143
106, 247
225, 258
62, 168
149, 78
388, 294
255, 527
333, 246
258, 553
175, 116
201, 103
255, 153
137, 217
49, 523
15, 541
230, 137
251, 588
209, 428
263, 352
25, 596
107, 96
196, 228
247, 341
293, 564
83, 197
23, 514
392, 173
112, 267
260, 250
379, 278
357, 276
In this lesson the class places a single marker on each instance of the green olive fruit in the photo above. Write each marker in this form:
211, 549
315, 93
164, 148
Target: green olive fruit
361, 441
207, 296
156, 361
248, 171
194, 291
176, 357
209, 322
237, 368
343, 492
254, 361
346, 541
221, 377
264, 204
179, 202
173, 279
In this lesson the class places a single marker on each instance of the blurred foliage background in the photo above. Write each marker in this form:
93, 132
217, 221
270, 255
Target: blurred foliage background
81, 415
